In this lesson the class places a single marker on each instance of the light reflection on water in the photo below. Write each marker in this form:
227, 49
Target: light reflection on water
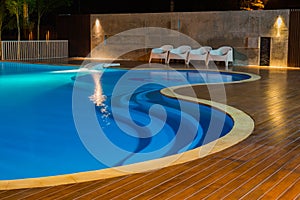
98, 98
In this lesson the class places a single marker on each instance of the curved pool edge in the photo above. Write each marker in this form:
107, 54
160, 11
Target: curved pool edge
243, 127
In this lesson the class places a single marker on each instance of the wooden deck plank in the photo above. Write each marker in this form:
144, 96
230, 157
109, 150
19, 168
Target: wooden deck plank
216, 168
265, 165
266, 185
8, 194
293, 192
131, 181
40, 193
182, 185
153, 179
280, 188
47, 191
169, 185
68, 190
215, 186
91, 188
79, 187
216, 172
249, 181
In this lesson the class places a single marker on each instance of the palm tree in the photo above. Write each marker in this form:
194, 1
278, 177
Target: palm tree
2, 15
45, 6
15, 8
28, 8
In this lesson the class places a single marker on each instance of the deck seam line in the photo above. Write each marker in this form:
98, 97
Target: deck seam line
251, 168
288, 188
225, 165
228, 172
278, 182
264, 169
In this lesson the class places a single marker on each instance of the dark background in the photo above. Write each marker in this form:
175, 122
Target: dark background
79, 7
142, 6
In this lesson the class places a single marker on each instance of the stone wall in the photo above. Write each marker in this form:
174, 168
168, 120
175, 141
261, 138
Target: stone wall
240, 29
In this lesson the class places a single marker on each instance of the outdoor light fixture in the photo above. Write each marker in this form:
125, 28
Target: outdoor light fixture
97, 23
97, 27
278, 25
279, 22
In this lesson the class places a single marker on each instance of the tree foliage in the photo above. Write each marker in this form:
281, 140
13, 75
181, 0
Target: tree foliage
15, 8
29, 13
2, 15
43, 7
21, 9
252, 4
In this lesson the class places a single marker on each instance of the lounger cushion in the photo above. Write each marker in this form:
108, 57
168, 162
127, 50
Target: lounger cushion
216, 52
224, 50
158, 50
198, 51
178, 51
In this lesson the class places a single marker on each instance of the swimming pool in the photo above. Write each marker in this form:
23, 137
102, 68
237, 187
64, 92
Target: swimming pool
48, 114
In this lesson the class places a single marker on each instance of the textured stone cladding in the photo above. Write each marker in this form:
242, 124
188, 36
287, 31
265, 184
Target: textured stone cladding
241, 30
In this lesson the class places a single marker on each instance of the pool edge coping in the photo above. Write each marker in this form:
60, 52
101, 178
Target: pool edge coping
243, 127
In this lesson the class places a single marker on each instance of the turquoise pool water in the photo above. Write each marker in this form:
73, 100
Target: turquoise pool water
40, 137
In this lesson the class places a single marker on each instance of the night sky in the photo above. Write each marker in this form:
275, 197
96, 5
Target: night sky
142, 6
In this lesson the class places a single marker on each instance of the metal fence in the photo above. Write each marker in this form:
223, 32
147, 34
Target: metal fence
32, 50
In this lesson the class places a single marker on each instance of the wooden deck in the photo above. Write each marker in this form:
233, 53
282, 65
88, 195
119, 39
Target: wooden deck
264, 166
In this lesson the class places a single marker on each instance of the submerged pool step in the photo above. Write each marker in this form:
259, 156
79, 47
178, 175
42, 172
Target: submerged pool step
174, 137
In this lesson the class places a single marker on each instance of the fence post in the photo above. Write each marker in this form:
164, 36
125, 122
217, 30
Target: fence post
1, 50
